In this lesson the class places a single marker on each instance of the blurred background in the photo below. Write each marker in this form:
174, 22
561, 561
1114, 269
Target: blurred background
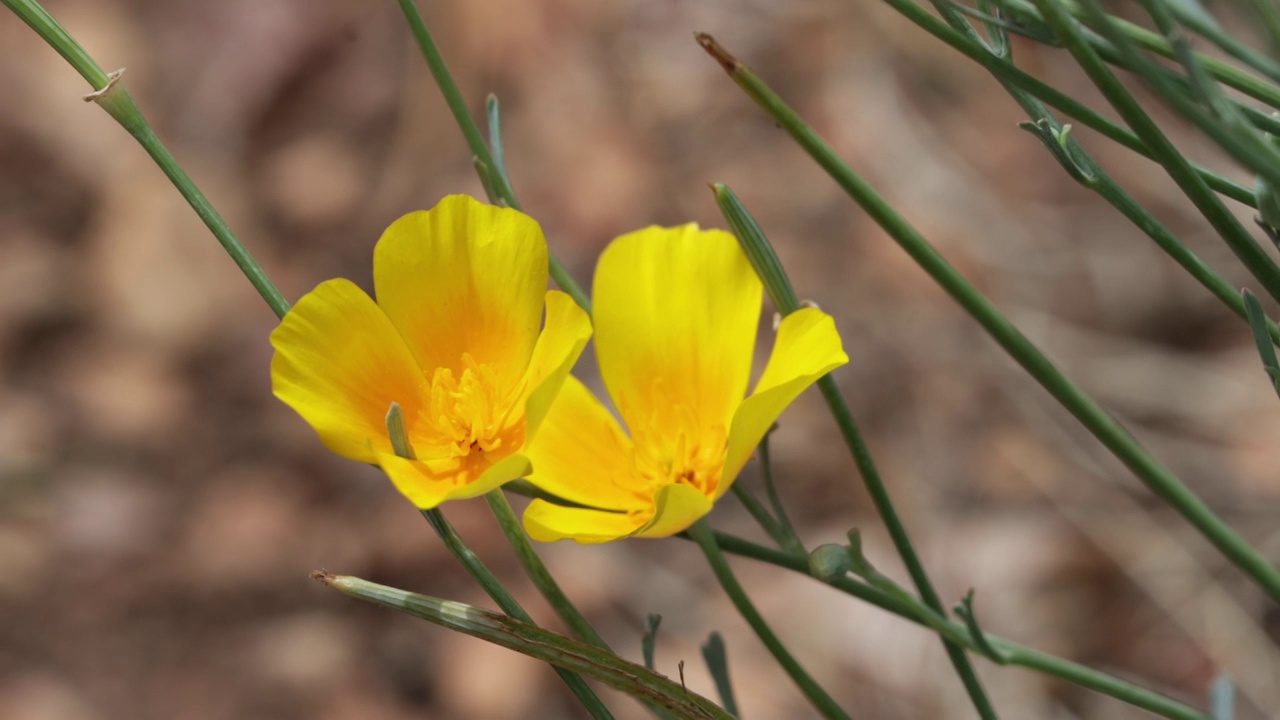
160, 511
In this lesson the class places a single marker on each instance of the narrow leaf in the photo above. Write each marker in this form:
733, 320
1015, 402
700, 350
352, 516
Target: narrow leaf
1261, 338
650, 638
717, 659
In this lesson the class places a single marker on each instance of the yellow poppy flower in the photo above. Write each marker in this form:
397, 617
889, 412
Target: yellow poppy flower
453, 338
676, 311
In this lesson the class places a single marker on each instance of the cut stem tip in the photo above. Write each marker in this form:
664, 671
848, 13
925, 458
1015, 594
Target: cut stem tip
715, 50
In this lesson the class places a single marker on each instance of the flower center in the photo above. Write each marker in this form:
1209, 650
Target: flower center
463, 413
677, 448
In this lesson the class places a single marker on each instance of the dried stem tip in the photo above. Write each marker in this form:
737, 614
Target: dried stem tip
714, 49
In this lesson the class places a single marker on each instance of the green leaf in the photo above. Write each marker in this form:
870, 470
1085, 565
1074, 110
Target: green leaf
1261, 338
650, 638
713, 652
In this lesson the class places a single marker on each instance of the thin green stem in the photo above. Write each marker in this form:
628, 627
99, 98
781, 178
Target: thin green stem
507, 602
1114, 194
38, 19
916, 612
760, 252
701, 533
1224, 73
537, 643
1085, 170
111, 95
1236, 141
546, 583
913, 610
1226, 122
538, 572
505, 194
471, 562
1270, 17
1006, 72
771, 489
1196, 19
1106, 429
763, 518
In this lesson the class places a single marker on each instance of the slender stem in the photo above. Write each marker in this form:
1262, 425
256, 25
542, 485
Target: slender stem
547, 585
898, 533
760, 252
1085, 170
458, 106
535, 642
763, 518
1270, 17
914, 611
1225, 123
771, 489
1199, 22
507, 602
1224, 73
1236, 141
112, 96
538, 572
1006, 72
701, 533
1104, 427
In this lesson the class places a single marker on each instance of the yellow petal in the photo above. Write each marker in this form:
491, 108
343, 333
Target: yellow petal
464, 277
547, 522
567, 330
582, 455
676, 311
676, 508
806, 348
340, 364
427, 484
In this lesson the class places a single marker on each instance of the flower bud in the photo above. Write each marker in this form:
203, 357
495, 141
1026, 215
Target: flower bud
829, 563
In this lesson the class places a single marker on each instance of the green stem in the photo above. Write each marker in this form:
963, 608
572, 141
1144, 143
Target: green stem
1111, 191
1270, 17
1105, 428
1224, 73
538, 572
528, 639
1007, 73
913, 610
771, 489
458, 106
546, 584
1085, 170
764, 519
1238, 142
111, 95
1204, 25
761, 254
1224, 123
469, 560
701, 533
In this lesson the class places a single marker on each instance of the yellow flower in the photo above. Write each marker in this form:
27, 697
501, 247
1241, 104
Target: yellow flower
676, 312
453, 338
